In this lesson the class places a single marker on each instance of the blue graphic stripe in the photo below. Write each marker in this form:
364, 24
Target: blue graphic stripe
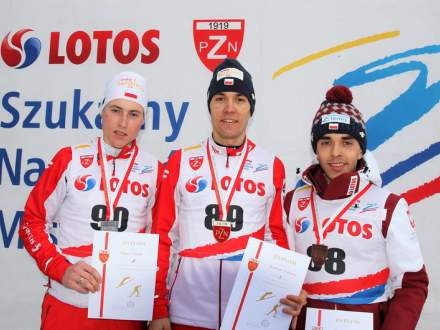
362, 297
299, 184
237, 257
407, 165
410, 106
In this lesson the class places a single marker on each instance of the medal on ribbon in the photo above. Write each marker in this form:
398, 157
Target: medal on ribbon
221, 229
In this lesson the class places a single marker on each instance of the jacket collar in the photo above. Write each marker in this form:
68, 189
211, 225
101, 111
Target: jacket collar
340, 187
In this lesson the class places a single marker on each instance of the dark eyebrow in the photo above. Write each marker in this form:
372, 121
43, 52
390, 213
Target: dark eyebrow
113, 106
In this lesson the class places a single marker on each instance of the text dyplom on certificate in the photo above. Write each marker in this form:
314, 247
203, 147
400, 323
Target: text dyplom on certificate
127, 263
267, 273
330, 319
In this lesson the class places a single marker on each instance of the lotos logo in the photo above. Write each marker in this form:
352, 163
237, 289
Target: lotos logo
196, 185
217, 39
78, 47
248, 185
12, 51
301, 224
353, 228
124, 45
85, 182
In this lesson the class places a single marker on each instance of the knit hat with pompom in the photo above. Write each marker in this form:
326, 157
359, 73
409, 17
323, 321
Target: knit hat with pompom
337, 115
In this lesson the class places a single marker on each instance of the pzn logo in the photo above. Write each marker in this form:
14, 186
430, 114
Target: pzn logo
217, 39
18, 53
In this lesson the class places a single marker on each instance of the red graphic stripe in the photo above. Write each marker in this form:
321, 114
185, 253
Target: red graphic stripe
79, 251
133, 96
104, 181
104, 268
349, 285
423, 191
246, 289
319, 317
230, 245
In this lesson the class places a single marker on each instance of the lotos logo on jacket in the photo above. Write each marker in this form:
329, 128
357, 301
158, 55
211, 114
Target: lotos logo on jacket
301, 224
217, 39
196, 184
84, 182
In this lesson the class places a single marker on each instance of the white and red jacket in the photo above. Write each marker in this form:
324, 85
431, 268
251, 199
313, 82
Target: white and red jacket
205, 269
374, 263
70, 193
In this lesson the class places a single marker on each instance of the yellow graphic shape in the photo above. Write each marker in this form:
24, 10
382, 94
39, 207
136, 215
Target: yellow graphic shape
266, 295
136, 291
124, 281
193, 147
335, 49
274, 310
82, 146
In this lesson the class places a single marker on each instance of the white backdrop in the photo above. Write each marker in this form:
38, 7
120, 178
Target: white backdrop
388, 52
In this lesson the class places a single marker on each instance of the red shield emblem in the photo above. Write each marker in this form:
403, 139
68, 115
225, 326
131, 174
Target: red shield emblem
217, 39
303, 203
221, 230
103, 256
86, 160
196, 162
253, 264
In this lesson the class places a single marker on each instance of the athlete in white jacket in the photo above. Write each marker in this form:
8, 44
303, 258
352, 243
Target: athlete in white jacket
215, 196
365, 253
74, 193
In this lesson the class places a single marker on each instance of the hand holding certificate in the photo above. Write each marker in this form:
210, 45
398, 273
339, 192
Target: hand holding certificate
127, 264
267, 273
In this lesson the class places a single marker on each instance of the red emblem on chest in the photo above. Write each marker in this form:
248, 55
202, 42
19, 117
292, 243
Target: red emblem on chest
196, 162
86, 160
303, 203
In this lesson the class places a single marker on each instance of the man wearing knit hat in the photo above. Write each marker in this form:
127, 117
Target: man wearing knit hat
108, 184
214, 196
365, 253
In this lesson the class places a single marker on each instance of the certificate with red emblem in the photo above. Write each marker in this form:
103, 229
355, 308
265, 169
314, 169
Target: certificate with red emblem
127, 263
267, 273
322, 319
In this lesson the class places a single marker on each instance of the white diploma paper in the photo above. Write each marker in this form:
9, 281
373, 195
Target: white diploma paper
127, 263
329, 319
267, 273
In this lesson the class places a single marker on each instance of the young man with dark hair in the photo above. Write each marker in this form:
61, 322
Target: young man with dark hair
214, 196
365, 252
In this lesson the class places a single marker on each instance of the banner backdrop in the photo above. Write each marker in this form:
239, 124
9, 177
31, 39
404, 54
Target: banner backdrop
57, 55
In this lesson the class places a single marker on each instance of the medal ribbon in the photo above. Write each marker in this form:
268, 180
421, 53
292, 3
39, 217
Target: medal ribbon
319, 232
109, 213
220, 195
